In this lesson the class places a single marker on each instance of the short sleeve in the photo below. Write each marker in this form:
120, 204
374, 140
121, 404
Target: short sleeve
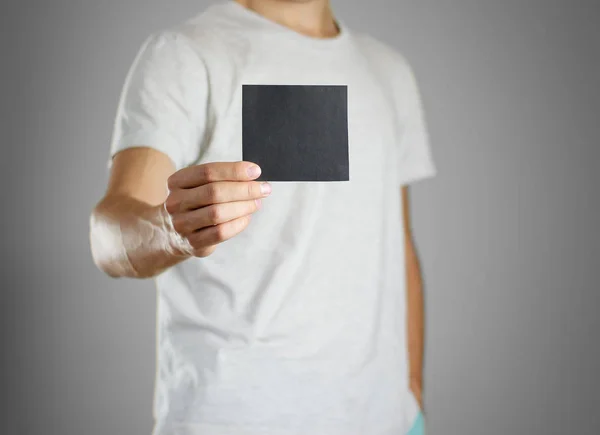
163, 101
415, 156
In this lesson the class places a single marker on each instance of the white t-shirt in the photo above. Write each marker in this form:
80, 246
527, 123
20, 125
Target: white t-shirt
296, 325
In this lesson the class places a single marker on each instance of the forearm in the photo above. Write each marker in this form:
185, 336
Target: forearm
416, 314
130, 238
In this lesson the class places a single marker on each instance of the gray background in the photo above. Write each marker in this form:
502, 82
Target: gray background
507, 231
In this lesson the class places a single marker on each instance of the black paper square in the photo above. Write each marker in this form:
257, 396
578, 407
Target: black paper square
296, 132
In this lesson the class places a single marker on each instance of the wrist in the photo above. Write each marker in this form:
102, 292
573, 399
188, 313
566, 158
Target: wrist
176, 244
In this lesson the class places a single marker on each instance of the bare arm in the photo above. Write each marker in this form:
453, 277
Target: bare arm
152, 217
415, 306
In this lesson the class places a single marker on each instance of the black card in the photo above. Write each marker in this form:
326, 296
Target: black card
296, 132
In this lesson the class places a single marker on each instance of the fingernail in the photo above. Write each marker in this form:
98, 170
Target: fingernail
253, 171
265, 188
258, 202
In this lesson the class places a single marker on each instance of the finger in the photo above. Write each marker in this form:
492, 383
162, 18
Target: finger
199, 175
190, 221
208, 237
215, 193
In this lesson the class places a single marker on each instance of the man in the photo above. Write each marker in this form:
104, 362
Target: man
307, 318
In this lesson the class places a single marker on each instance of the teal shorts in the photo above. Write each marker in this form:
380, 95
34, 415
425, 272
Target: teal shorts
419, 426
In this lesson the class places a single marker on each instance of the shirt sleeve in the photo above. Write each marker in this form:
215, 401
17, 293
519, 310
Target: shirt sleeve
415, 156
163, 100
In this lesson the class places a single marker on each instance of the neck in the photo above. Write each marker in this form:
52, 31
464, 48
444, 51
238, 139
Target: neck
309, 17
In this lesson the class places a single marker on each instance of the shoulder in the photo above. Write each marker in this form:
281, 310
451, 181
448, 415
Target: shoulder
191, 37
392, 67
382, 54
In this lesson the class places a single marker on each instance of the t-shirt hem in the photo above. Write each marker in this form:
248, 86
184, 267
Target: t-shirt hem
417, 174
213, 429
155, 139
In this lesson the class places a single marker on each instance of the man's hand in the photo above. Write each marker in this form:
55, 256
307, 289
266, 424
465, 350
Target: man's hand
213, 202
141, 228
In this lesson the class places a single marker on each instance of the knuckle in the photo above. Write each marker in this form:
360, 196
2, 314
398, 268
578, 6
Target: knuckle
184, 203
172, 203
197, 241
221, 232
253, 189
194, 242
215, 213
172, 181
240, 171
179, 223
213, 193
208, 172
